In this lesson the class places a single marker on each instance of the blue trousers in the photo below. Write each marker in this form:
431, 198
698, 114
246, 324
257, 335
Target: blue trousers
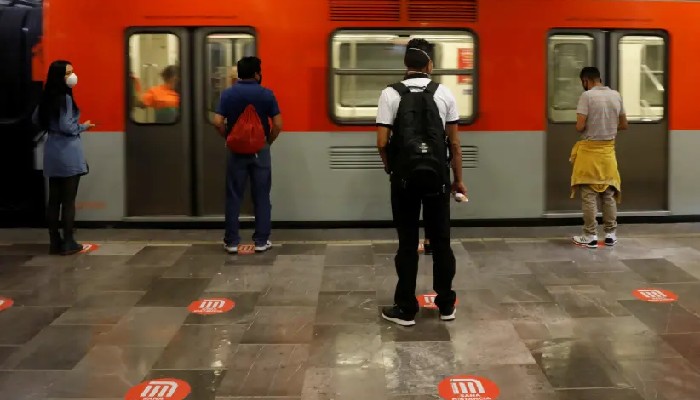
238, 170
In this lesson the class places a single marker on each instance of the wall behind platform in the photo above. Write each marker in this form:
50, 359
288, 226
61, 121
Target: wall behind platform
684, 172
507, 182
101, 192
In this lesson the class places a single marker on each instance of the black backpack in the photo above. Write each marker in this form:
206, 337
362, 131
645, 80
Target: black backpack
418, 146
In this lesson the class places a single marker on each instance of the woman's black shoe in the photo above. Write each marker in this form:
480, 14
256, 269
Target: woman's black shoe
71, 247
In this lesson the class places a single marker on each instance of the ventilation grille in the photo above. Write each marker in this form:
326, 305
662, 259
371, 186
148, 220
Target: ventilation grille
367, 157
365, 10
442, 10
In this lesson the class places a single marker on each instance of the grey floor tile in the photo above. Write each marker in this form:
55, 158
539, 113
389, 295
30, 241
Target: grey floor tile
160, 293
335, 346
56, 348
349, 255
664, 317
558, 273
109, 299
196, 347
346, 308
146, 327
196, 266
417, 368
118, 249
687, 345
212, 250
658, 270
597, 394
668, 379
26, 322
127, 279
28, 385
303, 249
241, 279
158, 256
488, 343
516, 382
92, 316
281, 325
342, 384
6, 352
619, 285
348, 278
519, 289
586, 301
254, 365
291, 285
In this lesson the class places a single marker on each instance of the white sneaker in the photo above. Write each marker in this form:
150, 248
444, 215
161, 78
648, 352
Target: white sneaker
265, 247
610, 239
590, 241
231, 249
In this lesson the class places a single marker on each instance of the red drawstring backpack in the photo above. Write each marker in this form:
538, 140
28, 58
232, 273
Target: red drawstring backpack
247, 135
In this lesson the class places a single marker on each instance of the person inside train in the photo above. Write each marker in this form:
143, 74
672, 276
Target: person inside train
164, 98
64, 162
246, 91
600, 115
414, 183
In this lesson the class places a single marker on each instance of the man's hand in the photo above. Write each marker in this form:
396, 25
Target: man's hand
459, 187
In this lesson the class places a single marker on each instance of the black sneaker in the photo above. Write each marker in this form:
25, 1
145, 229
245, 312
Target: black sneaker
398, 316
427, 249
449, 314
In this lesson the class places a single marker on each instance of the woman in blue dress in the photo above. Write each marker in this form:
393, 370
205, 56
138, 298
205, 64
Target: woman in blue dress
64, 161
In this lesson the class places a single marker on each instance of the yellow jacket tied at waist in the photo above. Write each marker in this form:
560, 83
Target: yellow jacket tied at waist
595, 164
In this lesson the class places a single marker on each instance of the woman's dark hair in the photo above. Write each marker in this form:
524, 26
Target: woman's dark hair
170, 72
53, 96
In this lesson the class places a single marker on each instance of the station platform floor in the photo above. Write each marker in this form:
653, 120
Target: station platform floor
166, 314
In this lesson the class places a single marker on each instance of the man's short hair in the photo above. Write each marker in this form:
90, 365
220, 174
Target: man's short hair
418, 54
590, 73
248, 67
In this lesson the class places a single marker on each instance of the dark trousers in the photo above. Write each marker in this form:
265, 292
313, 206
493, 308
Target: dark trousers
62, 194
238, 170
406, 209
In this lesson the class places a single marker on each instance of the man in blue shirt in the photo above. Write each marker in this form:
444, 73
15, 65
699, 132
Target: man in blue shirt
247, 90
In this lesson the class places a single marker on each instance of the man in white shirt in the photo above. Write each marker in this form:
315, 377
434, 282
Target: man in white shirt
406, 203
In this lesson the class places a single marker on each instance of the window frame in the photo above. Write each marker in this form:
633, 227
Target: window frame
333, 72
205, 34
134, 31
620, 34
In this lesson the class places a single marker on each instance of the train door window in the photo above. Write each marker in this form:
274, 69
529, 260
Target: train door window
365, 62
641, 76
154, 96
568, 54
223, 52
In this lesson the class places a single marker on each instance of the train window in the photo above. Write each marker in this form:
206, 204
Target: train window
568, 54
364, 62
223, 52
641, 77
154, 76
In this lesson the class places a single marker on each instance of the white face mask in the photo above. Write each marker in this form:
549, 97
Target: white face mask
72, 80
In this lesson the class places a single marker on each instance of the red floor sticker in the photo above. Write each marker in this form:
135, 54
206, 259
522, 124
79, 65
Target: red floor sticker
89, 247
428, 300
246, 249
5, 303
211, 306
468, 387
655, 295
159, 389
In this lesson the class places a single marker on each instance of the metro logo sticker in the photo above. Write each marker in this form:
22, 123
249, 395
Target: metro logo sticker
468, 387
159, 389
655, 295
5, 303
428, 301
211, 306
246, 249
89, 248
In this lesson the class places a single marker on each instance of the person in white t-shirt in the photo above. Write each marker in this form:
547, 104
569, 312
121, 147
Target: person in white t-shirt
406, 204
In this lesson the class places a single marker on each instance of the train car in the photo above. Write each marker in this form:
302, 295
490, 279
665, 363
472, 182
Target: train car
513, 66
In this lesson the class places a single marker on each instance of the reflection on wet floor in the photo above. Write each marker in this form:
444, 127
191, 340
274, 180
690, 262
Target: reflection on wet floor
538, 317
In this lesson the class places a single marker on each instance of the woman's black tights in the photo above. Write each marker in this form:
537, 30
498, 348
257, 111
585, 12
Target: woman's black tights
62, 194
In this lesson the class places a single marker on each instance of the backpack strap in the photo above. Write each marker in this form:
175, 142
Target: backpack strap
401, 88
432, 87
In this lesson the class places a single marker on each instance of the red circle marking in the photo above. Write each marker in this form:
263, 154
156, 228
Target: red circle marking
159, 389
5, 303
89, 247
246, 249
654, 295
428, 300
211, 306
468, 387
